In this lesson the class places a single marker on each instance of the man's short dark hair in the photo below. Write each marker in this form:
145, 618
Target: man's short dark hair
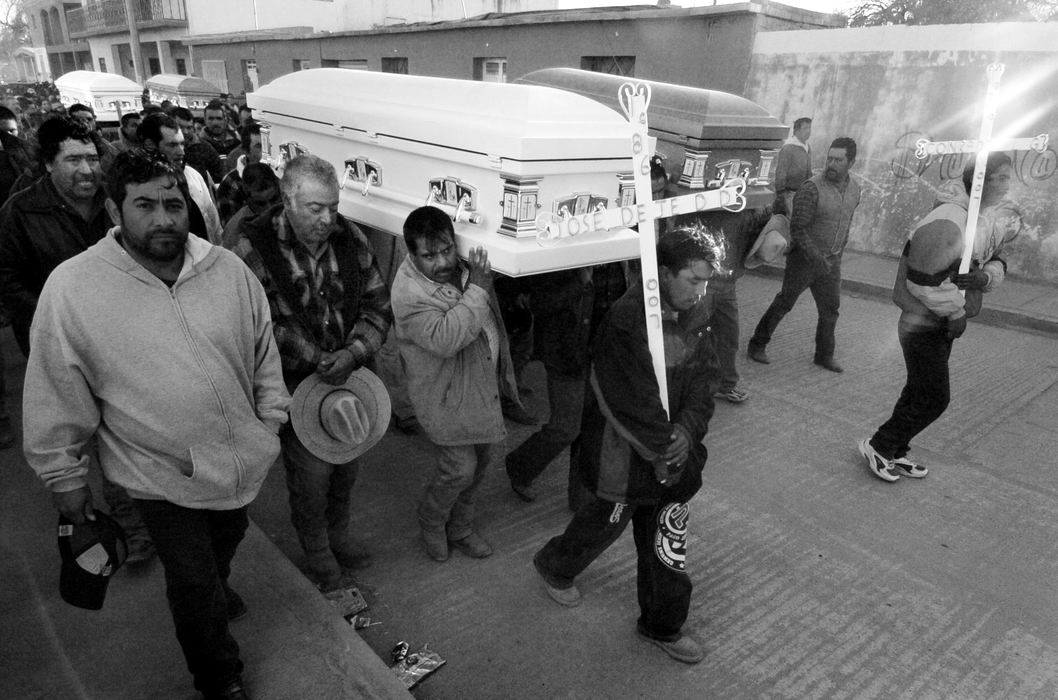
801, 122
151, 127
214, 106
848, 144
6, 113
55, 130
78, 107
245, 132
427, 224
996, 160
137, 166
681, 247
258, 177
128, 117
182, 113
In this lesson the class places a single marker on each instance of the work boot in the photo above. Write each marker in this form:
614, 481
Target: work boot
758, 354
352, 556
436, 544
473, 546
324, 569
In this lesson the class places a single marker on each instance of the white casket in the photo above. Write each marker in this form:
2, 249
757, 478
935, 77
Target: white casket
108, 94
493, 156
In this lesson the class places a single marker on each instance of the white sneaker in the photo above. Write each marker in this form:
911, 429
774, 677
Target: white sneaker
909, 467
879, 465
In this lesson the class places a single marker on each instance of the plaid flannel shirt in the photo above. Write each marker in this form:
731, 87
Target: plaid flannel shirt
317, 281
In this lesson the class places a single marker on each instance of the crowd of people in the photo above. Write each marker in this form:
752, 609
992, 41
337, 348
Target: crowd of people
190, 318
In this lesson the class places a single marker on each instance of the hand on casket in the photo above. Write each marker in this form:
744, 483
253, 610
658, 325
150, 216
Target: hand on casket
480, 269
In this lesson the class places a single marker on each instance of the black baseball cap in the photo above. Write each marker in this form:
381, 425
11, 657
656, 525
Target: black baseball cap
91, 553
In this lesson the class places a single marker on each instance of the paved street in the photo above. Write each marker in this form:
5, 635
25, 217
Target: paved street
813, 578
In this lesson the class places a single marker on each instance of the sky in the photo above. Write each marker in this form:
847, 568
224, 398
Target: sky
816, 5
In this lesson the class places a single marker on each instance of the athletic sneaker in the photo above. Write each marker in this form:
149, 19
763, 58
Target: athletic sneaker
879, 465
909, 467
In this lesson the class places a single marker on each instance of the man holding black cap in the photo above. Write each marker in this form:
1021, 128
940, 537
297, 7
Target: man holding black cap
160, 345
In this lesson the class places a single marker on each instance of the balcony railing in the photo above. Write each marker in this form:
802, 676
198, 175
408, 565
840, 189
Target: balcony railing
109, 16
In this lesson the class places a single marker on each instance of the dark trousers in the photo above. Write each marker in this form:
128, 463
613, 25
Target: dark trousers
722, 309
925, 395
802, 274
660, 533
320, 494
196, 548
565, 397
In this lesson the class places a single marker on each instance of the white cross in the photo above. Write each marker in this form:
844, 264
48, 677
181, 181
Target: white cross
982, 147
634, 99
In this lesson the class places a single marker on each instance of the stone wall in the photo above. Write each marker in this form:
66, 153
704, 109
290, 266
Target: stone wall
889, 86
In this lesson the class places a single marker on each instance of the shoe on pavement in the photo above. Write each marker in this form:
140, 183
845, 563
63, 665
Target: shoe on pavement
526, 492
909, 467
879, 465
436, 544
236, 606
684, 648
351, 556
830, 364
232, 691
758, 355
324, 570
473, 546
568, 597
734, 395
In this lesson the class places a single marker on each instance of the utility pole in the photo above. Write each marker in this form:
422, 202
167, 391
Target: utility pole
134, 41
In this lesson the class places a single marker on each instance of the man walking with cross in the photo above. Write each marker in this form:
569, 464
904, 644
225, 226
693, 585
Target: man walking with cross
930, 293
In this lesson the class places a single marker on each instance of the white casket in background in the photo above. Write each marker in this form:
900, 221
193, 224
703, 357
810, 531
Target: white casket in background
494, 156
108, 94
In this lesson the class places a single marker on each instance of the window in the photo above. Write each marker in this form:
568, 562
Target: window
154, 65
395, 64
614, 65
490, 70
102, 65
352, 64
302, 64
181, 66
250, 80
216, 72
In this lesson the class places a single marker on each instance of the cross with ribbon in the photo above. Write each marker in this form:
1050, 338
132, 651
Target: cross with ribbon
984, 145
634, 99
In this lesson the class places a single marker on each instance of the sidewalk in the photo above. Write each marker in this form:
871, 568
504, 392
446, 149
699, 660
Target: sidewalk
1015, 304
294, 643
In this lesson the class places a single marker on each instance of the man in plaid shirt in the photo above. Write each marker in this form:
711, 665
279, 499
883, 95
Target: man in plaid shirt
330, 311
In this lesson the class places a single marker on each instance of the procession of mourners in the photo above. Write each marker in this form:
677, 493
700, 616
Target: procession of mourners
192, 318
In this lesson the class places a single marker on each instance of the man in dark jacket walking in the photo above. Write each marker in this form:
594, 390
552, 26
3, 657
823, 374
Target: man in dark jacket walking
60, 215
641, 459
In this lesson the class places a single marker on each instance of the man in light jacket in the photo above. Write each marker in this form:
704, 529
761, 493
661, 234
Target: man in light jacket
455, 351
160, 345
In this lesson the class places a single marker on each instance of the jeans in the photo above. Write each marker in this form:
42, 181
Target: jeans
660, 533
565, 396
319, 495
722, 309
448, 503
196, 548
924, 397
802, 274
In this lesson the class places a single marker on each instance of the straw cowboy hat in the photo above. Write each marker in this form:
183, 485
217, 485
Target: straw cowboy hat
338, 423
772, 243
